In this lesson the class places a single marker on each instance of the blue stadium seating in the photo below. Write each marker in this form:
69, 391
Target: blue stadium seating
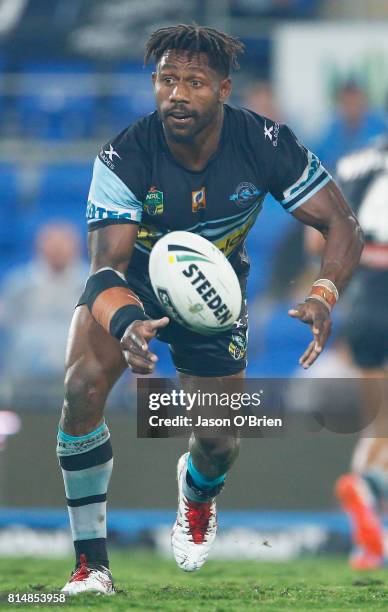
262, 242
9, 192
63, 191
2, 98
275, 347
131, 96
56, 103
12, 228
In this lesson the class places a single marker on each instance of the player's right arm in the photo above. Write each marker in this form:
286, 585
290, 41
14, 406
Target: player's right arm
119, 184
110, 301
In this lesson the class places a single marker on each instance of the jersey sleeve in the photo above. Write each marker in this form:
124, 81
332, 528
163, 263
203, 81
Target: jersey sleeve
297, 172
118, 184
110, 200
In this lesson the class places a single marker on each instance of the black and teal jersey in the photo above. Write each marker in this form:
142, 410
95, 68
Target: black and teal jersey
363, 178
136, 179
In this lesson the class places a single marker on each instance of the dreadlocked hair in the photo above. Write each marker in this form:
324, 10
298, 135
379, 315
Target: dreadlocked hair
221, 49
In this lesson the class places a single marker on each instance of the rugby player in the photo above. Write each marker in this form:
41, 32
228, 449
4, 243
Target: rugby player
200, 165
364, 179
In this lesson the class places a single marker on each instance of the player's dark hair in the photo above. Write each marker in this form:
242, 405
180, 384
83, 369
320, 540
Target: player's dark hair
222, 50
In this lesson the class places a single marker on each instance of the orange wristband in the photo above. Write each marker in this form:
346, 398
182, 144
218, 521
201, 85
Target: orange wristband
323, 295
108, 302
325, 291
111, 302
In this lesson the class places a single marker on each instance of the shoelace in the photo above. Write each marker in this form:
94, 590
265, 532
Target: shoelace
198, 515
83, 571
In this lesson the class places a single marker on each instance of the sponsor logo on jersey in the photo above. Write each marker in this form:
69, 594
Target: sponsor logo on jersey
107, 156
198, 199
238, 346
154, 202
230, 242
271, 133
245, 194
207, 293
268, 131
111, 153
147, 235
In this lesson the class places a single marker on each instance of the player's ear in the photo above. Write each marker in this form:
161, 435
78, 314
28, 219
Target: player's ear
153, 77
225, 89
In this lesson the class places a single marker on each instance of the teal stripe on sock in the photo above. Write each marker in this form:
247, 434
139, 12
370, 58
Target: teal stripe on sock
64, 437
200, 481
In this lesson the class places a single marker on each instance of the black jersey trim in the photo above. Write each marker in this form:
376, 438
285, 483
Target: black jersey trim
215, 223
104, 222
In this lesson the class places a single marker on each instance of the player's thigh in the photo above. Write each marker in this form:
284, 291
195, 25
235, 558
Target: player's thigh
94, 360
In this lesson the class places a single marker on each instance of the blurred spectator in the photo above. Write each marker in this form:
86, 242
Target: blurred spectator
37, 303
353, 126
259, 97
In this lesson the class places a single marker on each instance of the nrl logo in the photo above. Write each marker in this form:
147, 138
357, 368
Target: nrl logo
154, 202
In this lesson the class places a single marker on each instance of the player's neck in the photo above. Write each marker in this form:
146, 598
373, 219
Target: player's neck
195, 155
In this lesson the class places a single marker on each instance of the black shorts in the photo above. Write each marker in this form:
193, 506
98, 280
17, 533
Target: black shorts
217, 355
365, 318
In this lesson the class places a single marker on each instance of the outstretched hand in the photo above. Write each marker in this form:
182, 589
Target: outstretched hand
317, 316
134, 344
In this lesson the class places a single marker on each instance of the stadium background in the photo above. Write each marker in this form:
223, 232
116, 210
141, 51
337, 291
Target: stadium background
71, 76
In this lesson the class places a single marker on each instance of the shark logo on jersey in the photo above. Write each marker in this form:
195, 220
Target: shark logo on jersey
245, 194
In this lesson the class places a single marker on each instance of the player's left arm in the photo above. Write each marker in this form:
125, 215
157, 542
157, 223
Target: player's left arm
328, 212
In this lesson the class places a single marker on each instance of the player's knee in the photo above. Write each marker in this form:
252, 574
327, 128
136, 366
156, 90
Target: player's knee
85, 394
82, 386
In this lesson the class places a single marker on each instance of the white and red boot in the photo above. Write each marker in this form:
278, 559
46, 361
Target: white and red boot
86, 579
195, 527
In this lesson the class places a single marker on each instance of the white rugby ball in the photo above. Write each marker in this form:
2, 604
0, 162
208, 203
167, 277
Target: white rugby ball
195, 283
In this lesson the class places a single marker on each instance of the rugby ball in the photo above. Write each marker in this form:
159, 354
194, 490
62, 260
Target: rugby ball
195, 283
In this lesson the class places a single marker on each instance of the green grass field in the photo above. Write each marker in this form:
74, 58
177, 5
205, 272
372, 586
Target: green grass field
147, 582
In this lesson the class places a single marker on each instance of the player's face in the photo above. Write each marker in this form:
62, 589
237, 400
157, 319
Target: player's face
189, 94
